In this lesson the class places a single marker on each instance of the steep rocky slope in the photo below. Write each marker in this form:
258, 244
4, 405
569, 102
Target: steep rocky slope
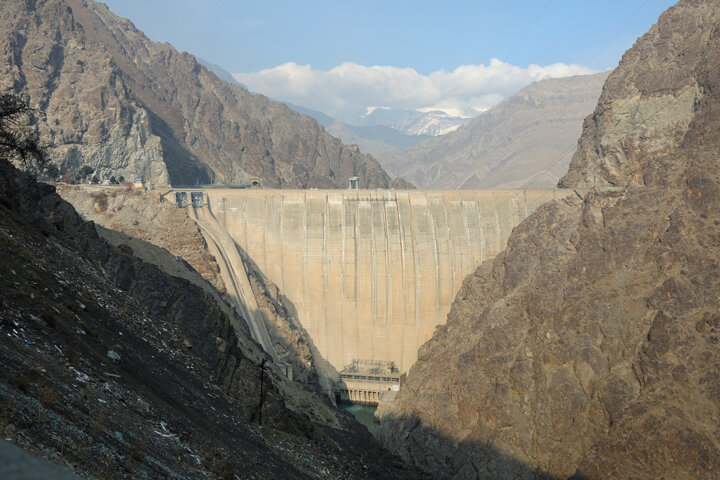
507, 146
144, 215
124, 105
160, 233
116, 369
589, 348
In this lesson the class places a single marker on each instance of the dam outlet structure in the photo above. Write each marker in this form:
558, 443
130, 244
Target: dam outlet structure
369, 273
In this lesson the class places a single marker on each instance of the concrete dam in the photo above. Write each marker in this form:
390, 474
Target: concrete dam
370, 273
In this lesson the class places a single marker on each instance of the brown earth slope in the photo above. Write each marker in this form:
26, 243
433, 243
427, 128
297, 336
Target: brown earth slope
162, 234
145, 215
523, 142
124, 105
115, 369
589, 348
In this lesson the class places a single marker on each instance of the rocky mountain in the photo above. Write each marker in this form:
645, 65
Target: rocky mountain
434, 124
524, 141
114, 368
589, 347
375, 140
142, 215
114, 100
321, 118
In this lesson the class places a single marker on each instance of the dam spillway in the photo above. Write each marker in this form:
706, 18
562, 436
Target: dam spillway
370, 273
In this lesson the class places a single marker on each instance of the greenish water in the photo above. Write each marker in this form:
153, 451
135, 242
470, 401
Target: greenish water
364, 414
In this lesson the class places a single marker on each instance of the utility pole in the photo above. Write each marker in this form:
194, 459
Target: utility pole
262, 382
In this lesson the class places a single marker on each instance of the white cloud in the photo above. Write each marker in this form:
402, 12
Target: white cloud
347, 91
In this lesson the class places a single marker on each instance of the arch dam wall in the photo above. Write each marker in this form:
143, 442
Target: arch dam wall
371, 272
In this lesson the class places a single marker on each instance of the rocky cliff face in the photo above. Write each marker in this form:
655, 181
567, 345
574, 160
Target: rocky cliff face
510, 145
646, 108
125, 105
589, 347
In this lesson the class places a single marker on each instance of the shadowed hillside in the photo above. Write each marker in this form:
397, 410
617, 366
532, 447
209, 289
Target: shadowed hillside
116, 369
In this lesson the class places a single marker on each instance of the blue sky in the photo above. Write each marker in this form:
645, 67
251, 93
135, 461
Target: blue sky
425, 36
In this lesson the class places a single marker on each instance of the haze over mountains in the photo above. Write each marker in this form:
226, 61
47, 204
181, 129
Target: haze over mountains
124, 105
431, 123
524, 141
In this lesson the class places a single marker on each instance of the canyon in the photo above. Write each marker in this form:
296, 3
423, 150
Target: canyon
370, 274
524, 334
523, 142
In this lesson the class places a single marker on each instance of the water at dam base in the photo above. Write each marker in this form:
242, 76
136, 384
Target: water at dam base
364, 414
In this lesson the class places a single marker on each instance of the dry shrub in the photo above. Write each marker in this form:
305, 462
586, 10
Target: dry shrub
101, 201
126, 249
49, 318
225, 470
47, 395
24, 380
138, 450
98, 419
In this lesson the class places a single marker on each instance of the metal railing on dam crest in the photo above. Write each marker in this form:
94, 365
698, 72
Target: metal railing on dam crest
370, 273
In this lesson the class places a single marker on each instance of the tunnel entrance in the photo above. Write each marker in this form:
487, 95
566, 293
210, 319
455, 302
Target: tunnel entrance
181, 199
197, 198
194, 198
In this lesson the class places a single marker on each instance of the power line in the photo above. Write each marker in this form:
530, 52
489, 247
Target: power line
532, 24
555, 161
617, 31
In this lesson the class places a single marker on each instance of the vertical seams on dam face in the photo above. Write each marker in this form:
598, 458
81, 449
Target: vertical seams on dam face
371, 272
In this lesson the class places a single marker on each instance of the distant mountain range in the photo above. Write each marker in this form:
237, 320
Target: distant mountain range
372, 139
393, 125
414, 122
218, 70
405, 121
525, 141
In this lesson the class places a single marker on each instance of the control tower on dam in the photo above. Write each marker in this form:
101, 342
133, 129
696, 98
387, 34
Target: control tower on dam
370, 273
